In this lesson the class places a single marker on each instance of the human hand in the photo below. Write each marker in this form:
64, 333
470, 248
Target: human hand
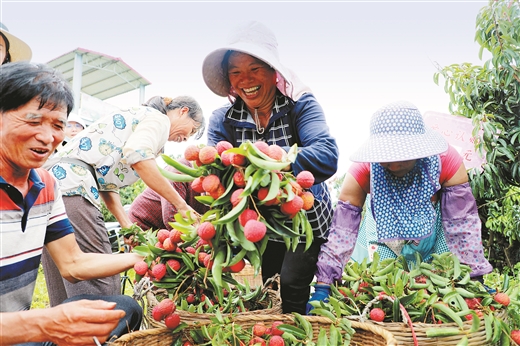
321, 293
76, 323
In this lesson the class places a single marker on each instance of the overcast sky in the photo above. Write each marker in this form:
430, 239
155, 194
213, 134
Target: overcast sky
355, 56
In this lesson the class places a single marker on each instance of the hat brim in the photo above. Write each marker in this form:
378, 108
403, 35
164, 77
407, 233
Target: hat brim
212, 66
401, 147
18, 49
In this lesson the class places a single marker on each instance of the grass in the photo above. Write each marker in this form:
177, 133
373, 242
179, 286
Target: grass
41, 298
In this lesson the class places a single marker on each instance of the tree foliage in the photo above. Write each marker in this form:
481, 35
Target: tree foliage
490, 96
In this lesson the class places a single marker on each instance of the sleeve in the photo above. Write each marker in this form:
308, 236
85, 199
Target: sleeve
148, 139
462, 227
450, 164
361, 172
58, 225
217, 129
318, 151
335, 253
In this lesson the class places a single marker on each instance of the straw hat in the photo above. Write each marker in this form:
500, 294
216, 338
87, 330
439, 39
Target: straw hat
398, 133
257, 40
18, 49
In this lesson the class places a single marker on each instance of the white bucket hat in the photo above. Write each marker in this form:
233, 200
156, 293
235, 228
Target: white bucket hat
257, 40
18, 49
398, 133
75, 117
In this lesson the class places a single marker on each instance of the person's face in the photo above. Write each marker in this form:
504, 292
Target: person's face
399, 168
182, 125
72, 129
253, 80
30, 135
3, 50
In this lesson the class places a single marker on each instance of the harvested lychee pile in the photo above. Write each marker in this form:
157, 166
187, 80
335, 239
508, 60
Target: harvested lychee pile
252, 196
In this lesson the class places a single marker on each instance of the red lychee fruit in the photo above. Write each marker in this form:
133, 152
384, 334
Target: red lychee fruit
190, 249
156, 313
162, 234
211, 183
238, 178
236, 268
259, 329
223, 146
207, 155
502, 298
190, 299
172, 321
206, 230
141, 268
274, 328
166, 306
159, 245
305, 179
202, 257
254, 230
191, 153
308, 200
159, 271
377, 315
262, 146
225, 157
276, 340
473, 303
297, 189
276, 152
174, 264
175, 236
235, 197
257, 341
515, 335
208, 262
238, 160
196, 185
262, 194
247, 214
218, 192
293, 206
168, 245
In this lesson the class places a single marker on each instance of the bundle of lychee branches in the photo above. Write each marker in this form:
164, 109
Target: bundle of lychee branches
252, 197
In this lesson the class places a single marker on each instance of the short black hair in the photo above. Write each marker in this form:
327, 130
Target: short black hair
22, 81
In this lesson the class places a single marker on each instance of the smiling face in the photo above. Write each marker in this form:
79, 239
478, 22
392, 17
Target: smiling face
29, 136
253, 80
399, 168
72, 129
182, 125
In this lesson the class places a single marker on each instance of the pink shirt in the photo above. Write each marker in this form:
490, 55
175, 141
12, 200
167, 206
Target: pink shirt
450, 163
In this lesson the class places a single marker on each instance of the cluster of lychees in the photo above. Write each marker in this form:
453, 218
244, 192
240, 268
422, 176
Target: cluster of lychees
165, 310
267, 336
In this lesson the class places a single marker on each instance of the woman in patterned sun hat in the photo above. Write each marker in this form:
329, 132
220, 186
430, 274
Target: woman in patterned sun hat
417, 196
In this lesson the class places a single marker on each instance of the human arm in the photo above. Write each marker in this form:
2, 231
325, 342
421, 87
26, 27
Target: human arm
75, 265
148, 171
113, 203
461, 223
317, 149
74, 323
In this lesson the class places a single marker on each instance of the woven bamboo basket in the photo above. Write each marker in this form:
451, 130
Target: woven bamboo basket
273, 306
248, 273
403, 334
367, 334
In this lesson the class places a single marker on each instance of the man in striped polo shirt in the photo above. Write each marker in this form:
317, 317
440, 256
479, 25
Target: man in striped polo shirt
35, 102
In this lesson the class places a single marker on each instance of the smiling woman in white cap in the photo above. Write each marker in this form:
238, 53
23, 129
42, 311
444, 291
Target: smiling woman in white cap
270, 104
12, 48
419, 195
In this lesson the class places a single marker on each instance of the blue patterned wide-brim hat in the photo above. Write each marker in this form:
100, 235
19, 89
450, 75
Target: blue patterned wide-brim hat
398, 133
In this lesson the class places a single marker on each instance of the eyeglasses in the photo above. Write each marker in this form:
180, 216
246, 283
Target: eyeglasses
76, 125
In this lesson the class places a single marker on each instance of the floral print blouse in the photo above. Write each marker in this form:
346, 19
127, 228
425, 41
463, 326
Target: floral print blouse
111, 145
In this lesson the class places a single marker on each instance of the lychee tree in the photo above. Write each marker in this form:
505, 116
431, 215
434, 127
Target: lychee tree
490, 96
